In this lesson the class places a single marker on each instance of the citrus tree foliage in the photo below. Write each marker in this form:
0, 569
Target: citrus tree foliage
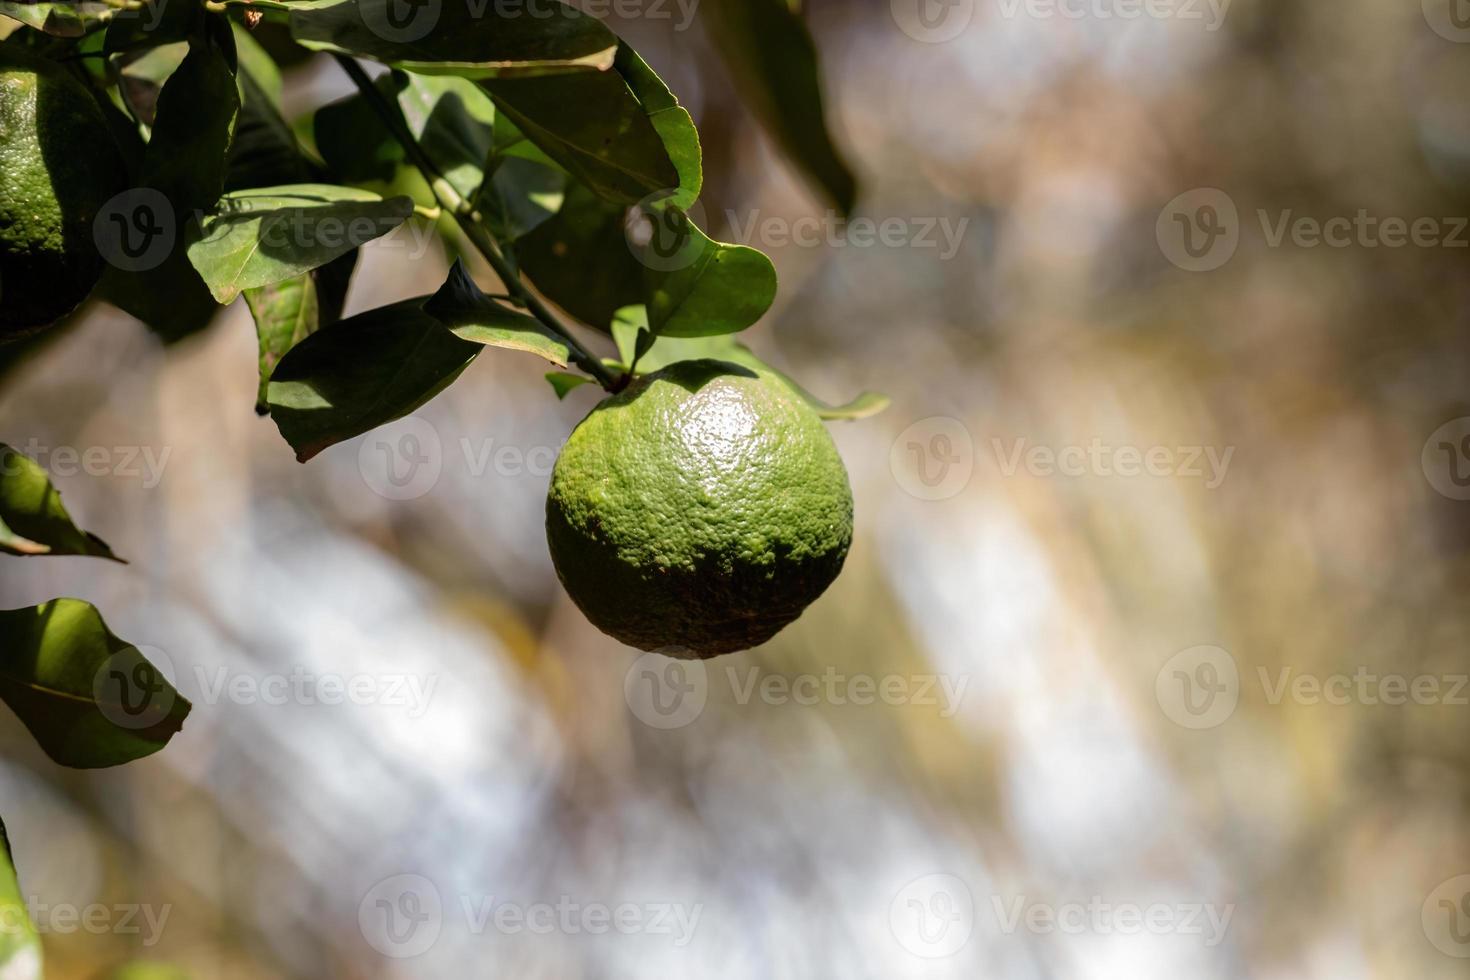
529, 137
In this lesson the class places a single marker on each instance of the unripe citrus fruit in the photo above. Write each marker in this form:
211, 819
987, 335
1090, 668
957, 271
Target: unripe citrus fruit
699, 511
59, 167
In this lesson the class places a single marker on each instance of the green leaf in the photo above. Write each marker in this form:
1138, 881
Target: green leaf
562, 382
668, 350
63, 19
487, 40
580, 259
20, 947
288, 312
353, 141
592, 125
471, 315
713, 288
33, 520
158, 22
673, 123
89, 698
265, 235
631, 334
454, 122
770, 53
362, 373
264, 152
197, 109
185, 160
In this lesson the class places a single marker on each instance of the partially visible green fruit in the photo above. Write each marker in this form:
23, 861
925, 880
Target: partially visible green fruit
700, 511
58, 167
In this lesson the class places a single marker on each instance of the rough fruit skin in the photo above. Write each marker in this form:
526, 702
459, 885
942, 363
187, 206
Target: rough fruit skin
59, 167
703, 508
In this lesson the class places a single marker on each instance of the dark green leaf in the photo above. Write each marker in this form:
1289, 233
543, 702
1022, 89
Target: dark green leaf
20, 947
581, 261
592, 124
157, 22
486, 40
266, 235
353, 141
32, 518
288, 312
89, 698
673, 123
185, 160
362, 373
63, 19
471, 315
770, 53
197, 108
264, 152
631, 334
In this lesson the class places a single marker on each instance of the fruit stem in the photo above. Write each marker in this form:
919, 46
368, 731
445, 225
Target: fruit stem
471, 222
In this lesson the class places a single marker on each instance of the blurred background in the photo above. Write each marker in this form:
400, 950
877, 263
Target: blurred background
1149, 659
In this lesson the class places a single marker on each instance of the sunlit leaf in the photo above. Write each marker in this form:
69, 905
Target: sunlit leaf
266, 235
20, 947
471, 315
361, 373
89, 698
33, 520
487, 40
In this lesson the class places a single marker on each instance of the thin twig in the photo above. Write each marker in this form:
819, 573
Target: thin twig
471, 224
